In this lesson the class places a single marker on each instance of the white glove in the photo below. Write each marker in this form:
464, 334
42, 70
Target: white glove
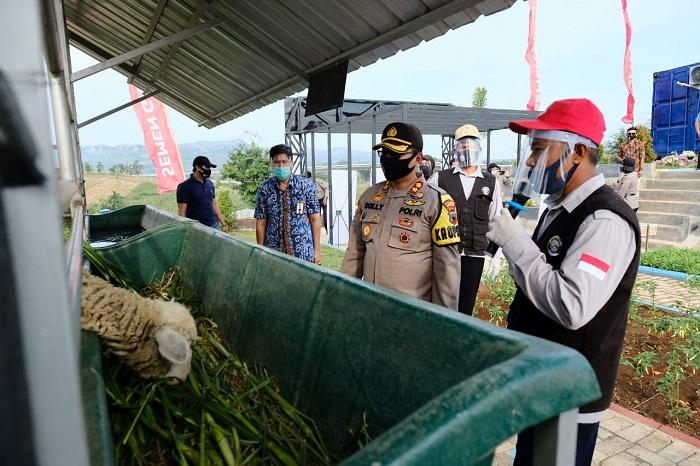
495, 267
488, 264
503, 228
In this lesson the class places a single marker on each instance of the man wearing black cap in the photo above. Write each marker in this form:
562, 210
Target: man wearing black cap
196, 197
404, 233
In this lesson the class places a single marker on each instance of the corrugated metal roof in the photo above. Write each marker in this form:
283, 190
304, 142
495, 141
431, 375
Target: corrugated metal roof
431, 118
263, 50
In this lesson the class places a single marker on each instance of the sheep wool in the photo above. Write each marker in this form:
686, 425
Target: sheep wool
128, 322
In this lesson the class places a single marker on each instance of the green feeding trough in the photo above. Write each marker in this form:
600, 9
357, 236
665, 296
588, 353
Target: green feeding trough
437, 388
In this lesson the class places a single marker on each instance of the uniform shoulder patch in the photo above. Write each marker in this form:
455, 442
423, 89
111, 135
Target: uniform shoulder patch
445, 230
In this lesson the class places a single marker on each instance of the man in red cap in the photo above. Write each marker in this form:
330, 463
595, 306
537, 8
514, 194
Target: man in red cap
575, 275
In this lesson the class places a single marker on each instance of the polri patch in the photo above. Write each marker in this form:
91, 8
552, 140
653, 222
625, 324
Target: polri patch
412, 212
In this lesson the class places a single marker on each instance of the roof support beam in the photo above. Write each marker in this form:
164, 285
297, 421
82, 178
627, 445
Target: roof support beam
124, 57
116, 109
151, 29
426, 19
442, 12
201, 8
125, 69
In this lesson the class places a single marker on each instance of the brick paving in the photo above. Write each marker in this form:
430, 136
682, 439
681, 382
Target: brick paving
624, 441
669, 292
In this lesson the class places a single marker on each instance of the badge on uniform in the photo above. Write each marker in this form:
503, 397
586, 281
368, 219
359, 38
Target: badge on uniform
406, 222
485, 191
413, 202
451, 210
300, 207
378, 196
445, 230
366, 230
554, 245
404, 238
414, 191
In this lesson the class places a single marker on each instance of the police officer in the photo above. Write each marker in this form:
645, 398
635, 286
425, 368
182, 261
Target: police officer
478, 198
575, 275
404, 233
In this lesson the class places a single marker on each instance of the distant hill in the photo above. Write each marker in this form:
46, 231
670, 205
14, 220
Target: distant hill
217, 151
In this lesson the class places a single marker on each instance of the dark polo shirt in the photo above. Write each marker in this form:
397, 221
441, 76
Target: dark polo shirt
199, 198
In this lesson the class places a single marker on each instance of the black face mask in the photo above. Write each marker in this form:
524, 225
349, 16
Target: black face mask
206, 172
394, 168
630, 137
427, 171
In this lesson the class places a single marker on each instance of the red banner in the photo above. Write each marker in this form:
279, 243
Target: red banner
531, 58
159, 141
627, 67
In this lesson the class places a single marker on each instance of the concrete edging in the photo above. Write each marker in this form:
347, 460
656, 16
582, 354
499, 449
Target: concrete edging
663, 273
665, 428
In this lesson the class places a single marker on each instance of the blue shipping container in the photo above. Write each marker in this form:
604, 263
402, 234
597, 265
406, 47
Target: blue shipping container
673, 112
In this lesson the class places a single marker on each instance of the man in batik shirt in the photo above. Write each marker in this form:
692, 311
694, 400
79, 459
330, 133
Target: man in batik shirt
287, 210
632, 148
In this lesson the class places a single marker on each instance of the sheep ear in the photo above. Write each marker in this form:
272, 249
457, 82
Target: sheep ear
173, 346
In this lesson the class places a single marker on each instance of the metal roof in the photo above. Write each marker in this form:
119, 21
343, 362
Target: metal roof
430, 118
261, 50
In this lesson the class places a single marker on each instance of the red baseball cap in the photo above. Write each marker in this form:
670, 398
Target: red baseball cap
579, 116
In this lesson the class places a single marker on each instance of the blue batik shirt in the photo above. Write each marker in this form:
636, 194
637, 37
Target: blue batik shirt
295, 204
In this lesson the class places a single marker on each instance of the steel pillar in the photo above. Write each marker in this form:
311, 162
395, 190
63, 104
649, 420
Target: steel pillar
448, 148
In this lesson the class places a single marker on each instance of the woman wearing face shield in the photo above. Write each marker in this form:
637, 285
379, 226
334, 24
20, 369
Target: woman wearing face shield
478, 198
575, 275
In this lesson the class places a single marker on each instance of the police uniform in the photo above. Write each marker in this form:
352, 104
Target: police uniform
407, 241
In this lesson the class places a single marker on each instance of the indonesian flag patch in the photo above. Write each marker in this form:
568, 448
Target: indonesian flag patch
593, 265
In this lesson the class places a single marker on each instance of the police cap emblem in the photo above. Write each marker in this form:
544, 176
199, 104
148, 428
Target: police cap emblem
554, 245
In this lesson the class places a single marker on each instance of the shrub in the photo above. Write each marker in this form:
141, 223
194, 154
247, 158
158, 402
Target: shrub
228, 210
113, 202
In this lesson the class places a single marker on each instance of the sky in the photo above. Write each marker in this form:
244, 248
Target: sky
580, 47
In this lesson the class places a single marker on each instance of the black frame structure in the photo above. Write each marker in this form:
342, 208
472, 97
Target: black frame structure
358, 116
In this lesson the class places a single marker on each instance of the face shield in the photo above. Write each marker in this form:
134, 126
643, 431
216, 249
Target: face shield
467, 151
545, 163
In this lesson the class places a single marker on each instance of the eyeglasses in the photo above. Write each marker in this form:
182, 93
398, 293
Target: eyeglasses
281, 163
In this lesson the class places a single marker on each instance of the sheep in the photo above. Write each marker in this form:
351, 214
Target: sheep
153, 337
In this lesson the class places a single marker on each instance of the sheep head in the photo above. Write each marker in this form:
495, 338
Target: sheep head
175, 337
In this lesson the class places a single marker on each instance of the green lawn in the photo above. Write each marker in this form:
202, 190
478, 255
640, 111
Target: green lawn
146, 192
331, 258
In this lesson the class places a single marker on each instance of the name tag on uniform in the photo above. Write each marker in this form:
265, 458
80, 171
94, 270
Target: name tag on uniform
300, 207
